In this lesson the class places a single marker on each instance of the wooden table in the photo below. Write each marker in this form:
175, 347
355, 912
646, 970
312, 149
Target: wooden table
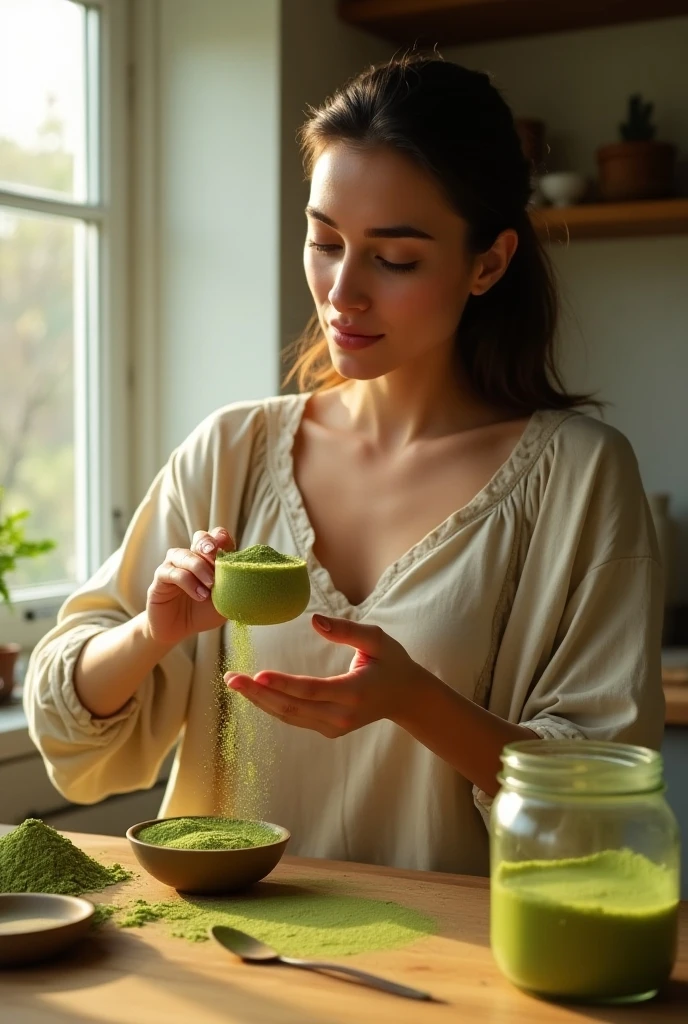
132, 976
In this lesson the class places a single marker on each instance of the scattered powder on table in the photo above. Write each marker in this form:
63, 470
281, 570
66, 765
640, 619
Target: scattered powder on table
36, 858
303, 924
208, 834
104, 911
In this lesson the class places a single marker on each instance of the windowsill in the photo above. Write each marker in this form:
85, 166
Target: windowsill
14, 731
14, 727
33, 614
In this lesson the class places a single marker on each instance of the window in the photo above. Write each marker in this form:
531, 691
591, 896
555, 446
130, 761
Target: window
62, 284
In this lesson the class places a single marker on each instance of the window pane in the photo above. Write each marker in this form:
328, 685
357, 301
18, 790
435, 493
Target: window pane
42, 96
41, 273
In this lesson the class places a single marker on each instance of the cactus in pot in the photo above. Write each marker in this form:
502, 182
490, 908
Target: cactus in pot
638, 167
638, 127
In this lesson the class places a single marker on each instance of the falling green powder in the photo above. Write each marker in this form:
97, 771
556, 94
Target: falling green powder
301, 924
208, 834
36, 858
245, 748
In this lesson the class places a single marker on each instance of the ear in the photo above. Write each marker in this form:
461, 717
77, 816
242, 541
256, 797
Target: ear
491, 265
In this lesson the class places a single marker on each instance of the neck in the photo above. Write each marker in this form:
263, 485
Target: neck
422, 399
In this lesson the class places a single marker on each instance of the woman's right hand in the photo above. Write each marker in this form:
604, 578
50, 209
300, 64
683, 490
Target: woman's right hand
179, 602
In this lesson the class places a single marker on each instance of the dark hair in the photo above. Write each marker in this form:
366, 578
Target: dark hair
456, 125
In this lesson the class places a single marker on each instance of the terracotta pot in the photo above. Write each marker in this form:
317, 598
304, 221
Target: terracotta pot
8, 658
636, 170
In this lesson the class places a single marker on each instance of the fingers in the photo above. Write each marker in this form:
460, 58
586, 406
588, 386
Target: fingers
191, 570
369, 639
328, 719
188, 571
342, 689
208, 543
169, 577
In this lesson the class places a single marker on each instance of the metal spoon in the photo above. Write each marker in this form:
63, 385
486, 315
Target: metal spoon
253, 951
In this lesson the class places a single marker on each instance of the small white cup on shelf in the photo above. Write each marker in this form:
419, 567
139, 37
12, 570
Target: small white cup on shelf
563, 188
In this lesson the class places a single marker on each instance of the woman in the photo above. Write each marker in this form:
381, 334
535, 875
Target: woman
484, 548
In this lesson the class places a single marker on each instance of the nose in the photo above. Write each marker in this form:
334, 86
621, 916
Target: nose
348, 291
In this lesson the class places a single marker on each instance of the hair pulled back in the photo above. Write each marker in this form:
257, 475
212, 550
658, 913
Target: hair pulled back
456, 125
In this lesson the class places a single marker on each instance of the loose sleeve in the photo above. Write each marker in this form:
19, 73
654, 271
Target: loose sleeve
89, 758
580, 657
603, 680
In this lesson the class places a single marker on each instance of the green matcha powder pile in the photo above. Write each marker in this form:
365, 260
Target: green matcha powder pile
36, 858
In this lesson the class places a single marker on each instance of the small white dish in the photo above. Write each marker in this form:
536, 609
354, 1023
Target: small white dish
563, 188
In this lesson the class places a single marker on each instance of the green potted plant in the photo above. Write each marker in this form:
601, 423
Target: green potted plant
13, 546
638, 167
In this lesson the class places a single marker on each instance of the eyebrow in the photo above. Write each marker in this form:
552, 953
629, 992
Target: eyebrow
395, 231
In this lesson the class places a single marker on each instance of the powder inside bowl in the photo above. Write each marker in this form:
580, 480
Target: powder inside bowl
259, 554
208, 834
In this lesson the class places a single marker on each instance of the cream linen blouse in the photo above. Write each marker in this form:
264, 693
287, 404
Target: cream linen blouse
541, 600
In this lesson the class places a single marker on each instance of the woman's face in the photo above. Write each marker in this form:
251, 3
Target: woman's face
386, 260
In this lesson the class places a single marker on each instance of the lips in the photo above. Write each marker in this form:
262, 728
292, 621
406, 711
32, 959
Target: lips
350, 340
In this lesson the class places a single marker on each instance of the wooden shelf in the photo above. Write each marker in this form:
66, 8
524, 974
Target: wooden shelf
676, 705
612, 220
457, 22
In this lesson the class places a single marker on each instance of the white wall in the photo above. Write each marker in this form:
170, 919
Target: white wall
207, 88
627, 332
221, 89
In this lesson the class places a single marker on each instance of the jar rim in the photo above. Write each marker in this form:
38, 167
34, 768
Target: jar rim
579, 765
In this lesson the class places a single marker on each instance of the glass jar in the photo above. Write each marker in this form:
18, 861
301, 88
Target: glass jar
584, 884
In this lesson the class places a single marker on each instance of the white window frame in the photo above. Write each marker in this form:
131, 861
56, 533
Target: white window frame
102, 416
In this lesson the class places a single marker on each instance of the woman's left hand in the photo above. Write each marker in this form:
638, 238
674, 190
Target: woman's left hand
378, 685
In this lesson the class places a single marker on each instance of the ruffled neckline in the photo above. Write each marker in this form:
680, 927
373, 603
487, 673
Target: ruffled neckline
283, 420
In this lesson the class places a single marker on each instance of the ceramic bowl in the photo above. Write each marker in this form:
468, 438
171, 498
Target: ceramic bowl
207, 871
35, 926
260, 595
563, 188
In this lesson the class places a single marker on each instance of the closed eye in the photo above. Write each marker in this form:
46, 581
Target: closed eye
398, 268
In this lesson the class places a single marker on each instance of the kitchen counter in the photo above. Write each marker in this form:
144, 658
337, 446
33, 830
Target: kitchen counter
146, 977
